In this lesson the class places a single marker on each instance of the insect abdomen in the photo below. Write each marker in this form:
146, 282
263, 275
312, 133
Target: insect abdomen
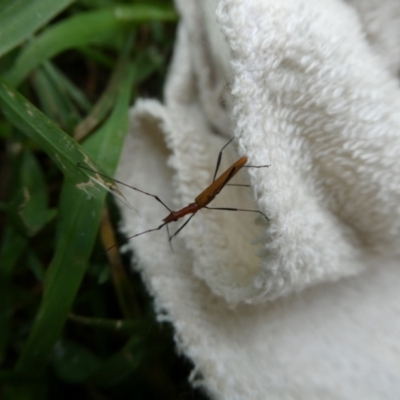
209, 194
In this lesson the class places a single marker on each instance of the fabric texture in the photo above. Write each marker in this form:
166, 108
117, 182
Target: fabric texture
305, 305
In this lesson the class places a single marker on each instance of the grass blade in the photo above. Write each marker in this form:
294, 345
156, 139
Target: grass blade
19, 19
64, 151
104, 104
91, 27
76, 232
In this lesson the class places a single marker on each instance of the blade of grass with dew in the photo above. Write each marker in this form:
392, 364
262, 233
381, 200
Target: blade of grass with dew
79, 218
19, 19
90, 27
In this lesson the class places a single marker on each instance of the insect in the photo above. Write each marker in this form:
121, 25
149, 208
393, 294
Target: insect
202, 200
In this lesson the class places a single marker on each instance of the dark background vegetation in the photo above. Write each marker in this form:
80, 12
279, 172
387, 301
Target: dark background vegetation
76, 321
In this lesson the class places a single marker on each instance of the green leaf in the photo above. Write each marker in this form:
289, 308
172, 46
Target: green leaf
64, 151
80, 30
126, 326
105, 102
5, 130
54, 98
19, 19
7, 299
36, 267
68, 87
145, 12
79, 218
31, 199
121, 364
13, 246
74, 363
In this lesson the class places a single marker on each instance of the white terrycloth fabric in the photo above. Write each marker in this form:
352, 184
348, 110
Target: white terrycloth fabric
304, 306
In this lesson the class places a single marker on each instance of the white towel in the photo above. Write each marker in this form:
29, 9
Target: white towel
303, 306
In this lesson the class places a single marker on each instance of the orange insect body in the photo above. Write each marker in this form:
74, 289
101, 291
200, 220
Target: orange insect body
209, 194
175, 215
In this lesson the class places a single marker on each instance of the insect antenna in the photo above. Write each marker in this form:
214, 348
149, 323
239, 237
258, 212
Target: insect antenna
105, 184
126, 185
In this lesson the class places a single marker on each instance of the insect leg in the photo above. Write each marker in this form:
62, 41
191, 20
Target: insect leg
256, 166
237, 209
219, 159
148, 231
181, 227
169, 239
141, 233
247, 166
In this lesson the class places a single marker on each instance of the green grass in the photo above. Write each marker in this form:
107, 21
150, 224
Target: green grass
72, 324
